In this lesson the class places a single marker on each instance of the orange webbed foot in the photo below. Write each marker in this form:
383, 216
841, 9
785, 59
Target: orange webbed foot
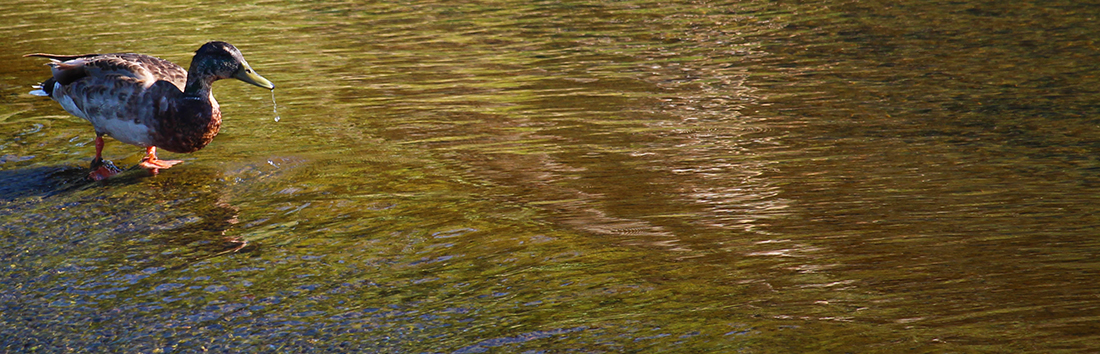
153, 164
101, 173
102, 169
157, 164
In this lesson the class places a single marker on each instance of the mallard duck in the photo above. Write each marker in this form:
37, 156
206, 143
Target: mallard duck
146, 101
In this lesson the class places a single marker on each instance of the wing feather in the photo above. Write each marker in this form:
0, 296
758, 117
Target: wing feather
147, 69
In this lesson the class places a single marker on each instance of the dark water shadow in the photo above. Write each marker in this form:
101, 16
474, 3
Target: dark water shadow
42, 181
186, 206
47, 181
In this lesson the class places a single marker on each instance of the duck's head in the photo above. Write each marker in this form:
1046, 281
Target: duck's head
224, 61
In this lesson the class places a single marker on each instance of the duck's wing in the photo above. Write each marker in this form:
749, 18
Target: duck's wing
143, 68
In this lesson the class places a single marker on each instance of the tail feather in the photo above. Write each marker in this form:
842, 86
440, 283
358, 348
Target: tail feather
45, 89
62, 72
59, 57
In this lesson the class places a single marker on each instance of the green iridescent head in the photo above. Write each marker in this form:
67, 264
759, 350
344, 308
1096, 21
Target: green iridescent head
224, 61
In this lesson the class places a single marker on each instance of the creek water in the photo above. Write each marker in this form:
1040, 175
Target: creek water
556, 176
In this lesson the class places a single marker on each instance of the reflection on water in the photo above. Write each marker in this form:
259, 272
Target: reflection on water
577, 176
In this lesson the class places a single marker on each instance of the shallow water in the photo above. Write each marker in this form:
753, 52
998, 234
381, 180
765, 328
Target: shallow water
570, 176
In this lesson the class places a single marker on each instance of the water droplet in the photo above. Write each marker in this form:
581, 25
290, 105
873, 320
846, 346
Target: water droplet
274, 106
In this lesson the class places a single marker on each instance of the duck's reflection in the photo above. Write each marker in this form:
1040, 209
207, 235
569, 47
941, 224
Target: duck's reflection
199, 196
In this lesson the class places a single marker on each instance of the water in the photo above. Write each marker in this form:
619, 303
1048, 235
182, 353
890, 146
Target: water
578, 176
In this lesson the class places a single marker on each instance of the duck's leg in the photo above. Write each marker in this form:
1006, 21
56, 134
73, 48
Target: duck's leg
100, 171
153, 164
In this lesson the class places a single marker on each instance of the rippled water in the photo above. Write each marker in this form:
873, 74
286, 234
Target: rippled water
570, 176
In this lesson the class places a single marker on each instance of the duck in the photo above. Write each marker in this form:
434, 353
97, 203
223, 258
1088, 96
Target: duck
146, 101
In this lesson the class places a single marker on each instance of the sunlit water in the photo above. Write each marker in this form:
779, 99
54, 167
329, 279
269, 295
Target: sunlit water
570, 176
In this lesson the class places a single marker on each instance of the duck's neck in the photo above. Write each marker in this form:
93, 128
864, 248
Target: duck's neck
198, 84
200, 76
195, 120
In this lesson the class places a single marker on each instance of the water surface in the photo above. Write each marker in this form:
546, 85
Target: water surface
570, 176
